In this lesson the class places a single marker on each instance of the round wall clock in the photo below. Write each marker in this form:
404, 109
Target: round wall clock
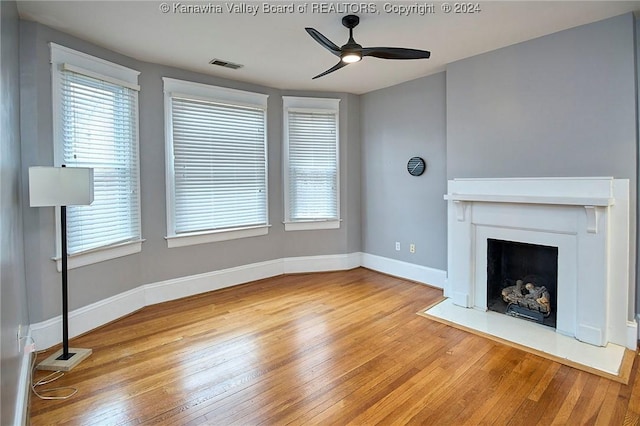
416, 166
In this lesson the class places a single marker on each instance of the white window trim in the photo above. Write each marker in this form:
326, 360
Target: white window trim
65, 58
318, 105
312, 225
189, 89
192, 238
99, 255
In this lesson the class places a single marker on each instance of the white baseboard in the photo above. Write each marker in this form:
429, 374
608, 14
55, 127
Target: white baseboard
49, 333
24, 385
334, 262
422, 274
201, 283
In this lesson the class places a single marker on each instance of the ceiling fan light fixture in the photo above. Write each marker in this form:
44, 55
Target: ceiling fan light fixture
353, 52
351, 57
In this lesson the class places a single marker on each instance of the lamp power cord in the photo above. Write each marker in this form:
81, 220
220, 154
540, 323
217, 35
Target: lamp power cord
45, 394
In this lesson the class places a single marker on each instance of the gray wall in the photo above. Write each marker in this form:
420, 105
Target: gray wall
560, 105
156, 262
398, 123
13, 305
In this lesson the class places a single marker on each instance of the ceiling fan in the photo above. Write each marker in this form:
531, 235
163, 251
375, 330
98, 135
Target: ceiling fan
353, 52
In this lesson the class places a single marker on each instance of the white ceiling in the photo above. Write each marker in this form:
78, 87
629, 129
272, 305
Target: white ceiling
277, 52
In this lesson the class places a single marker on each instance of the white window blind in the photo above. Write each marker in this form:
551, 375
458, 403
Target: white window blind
311, 163
99, 128
219, 165
313, 166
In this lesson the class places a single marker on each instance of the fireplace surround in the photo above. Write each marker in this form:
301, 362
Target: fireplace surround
585, 219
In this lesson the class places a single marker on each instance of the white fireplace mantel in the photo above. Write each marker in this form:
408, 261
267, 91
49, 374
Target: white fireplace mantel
532, 199
593, 206
586, 218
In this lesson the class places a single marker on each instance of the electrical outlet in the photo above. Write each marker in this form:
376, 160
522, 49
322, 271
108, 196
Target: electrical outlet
397, 245
19, 337
412, 248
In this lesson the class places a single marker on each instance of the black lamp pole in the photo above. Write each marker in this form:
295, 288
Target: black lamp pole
65, 308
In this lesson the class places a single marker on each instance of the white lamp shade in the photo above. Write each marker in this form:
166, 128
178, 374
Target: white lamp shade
60, 186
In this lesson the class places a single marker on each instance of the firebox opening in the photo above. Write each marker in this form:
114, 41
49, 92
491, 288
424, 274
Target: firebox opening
522, 280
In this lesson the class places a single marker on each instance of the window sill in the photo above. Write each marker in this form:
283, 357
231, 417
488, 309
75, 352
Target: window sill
194, 238
312, 225
99, 255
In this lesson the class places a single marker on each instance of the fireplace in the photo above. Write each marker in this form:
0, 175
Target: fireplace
522, 280
569, 235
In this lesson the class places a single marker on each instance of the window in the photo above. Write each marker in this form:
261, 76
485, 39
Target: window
95, 108
216, 163
311, 172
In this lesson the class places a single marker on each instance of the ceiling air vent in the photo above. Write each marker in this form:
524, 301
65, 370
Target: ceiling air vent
225, 64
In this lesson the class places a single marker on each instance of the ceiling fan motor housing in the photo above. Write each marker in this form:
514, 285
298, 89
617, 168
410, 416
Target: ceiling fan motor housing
350, 21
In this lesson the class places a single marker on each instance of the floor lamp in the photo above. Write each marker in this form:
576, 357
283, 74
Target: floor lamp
62, 187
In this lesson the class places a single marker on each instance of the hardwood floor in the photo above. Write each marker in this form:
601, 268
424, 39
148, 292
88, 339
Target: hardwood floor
332, 348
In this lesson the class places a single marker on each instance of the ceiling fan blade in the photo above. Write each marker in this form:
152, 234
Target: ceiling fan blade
395, 53
328, 44
332, 69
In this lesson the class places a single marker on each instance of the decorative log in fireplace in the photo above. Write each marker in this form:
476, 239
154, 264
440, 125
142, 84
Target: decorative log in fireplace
528, 295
